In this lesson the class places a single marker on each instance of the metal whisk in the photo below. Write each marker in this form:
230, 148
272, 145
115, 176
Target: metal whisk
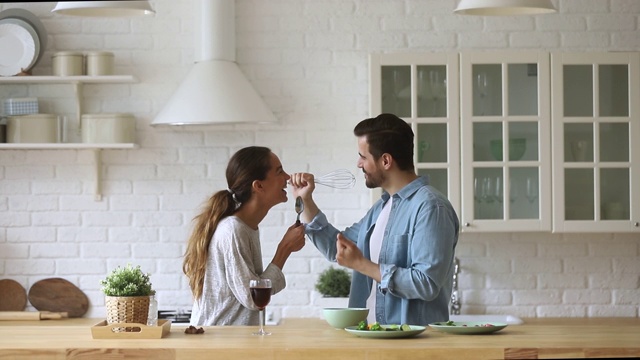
337, 179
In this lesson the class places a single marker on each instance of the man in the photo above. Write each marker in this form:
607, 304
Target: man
402, 250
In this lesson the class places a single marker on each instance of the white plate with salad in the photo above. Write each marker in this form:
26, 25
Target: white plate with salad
386, 331
468, 327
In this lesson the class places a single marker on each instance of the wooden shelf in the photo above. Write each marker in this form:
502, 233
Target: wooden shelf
95, 148
66, 146
77, 83
108, 79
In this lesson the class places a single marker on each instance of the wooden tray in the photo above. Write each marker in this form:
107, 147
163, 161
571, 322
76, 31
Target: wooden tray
102, 330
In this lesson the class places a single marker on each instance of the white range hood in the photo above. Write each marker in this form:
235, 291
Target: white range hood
215, 91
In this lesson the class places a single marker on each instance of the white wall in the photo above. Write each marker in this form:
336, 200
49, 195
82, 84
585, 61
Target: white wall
309, 60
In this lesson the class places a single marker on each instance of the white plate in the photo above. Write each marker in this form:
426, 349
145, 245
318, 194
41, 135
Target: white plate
384, 334
17, 47
468, 327
32, 31
31, 19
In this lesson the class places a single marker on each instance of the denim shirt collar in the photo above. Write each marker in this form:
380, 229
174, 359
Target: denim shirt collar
408, 190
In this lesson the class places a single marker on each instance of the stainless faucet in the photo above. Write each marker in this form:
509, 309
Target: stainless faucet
455, 297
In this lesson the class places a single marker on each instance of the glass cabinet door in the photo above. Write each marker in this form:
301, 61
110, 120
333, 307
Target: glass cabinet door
422, 89
505, 143
596, 118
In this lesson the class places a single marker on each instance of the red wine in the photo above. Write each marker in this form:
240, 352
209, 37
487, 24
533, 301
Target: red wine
261, 297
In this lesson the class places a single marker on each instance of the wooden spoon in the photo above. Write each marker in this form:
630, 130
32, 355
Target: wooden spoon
13, 297
58, 295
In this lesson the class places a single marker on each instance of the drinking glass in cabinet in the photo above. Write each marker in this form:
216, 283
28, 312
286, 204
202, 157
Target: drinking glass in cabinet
488, 193
523, 193
578, 142
483, 89
532, 190
432, 91
487, 90
396, 90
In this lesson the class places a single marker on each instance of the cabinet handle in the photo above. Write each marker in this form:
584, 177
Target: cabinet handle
636, 224
467, 224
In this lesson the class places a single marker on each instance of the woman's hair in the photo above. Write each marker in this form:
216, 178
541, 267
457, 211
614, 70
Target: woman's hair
245, 166
389, 134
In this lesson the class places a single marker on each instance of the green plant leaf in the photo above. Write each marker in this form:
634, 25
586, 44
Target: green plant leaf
334, 283
127, 281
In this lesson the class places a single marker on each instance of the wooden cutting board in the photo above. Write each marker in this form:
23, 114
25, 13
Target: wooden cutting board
13, 297
58, 295
31, 315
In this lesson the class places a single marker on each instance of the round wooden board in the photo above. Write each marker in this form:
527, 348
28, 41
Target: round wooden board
13, 297
58, 295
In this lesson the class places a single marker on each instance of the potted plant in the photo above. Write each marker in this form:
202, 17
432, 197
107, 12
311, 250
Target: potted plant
334, 282
127, 291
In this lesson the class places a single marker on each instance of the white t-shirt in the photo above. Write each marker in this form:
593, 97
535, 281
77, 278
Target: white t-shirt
375, 244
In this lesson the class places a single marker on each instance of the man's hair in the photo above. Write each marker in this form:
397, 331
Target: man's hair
387, 133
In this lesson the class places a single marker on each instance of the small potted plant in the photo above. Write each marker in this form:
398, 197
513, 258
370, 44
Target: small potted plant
127, 291
334, 282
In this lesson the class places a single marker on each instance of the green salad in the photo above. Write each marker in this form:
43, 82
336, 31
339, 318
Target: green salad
377, 327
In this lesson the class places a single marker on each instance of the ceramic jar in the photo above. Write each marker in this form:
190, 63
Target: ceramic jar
99, 63
108, 128
68, 63
34, 128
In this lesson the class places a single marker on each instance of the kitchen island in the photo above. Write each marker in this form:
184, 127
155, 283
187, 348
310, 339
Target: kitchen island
315, 339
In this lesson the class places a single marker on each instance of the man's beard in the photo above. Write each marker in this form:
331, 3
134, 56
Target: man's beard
373, 180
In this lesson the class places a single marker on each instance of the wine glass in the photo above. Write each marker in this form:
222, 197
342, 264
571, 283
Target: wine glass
487, 190
478, 192
498, 193
483, 89
438, 88
261, 295
532, 190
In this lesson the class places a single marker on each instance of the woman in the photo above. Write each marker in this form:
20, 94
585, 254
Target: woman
223, 252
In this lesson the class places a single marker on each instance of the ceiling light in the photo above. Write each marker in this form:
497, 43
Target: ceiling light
504, 7
121, 8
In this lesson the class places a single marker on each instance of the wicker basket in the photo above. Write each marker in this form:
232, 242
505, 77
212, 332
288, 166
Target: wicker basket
127, 309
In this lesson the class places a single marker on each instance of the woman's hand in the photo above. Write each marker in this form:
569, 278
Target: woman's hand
293, 240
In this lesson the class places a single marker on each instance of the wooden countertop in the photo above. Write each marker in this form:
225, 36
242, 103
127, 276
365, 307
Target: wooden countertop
315, 339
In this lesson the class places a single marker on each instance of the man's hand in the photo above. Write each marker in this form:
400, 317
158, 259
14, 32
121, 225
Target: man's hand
350, 256
303, 185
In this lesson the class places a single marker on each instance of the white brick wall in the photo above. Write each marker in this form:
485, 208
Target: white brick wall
309, 60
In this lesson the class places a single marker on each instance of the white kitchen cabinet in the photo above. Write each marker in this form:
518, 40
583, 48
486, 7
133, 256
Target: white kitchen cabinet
522, 141
596, 127
77, 83
423, 90
505, 132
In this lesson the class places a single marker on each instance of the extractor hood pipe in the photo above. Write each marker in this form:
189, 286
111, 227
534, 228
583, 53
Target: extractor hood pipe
215, 91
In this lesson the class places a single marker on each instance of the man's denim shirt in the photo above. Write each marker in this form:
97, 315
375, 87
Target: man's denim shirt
416, 258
